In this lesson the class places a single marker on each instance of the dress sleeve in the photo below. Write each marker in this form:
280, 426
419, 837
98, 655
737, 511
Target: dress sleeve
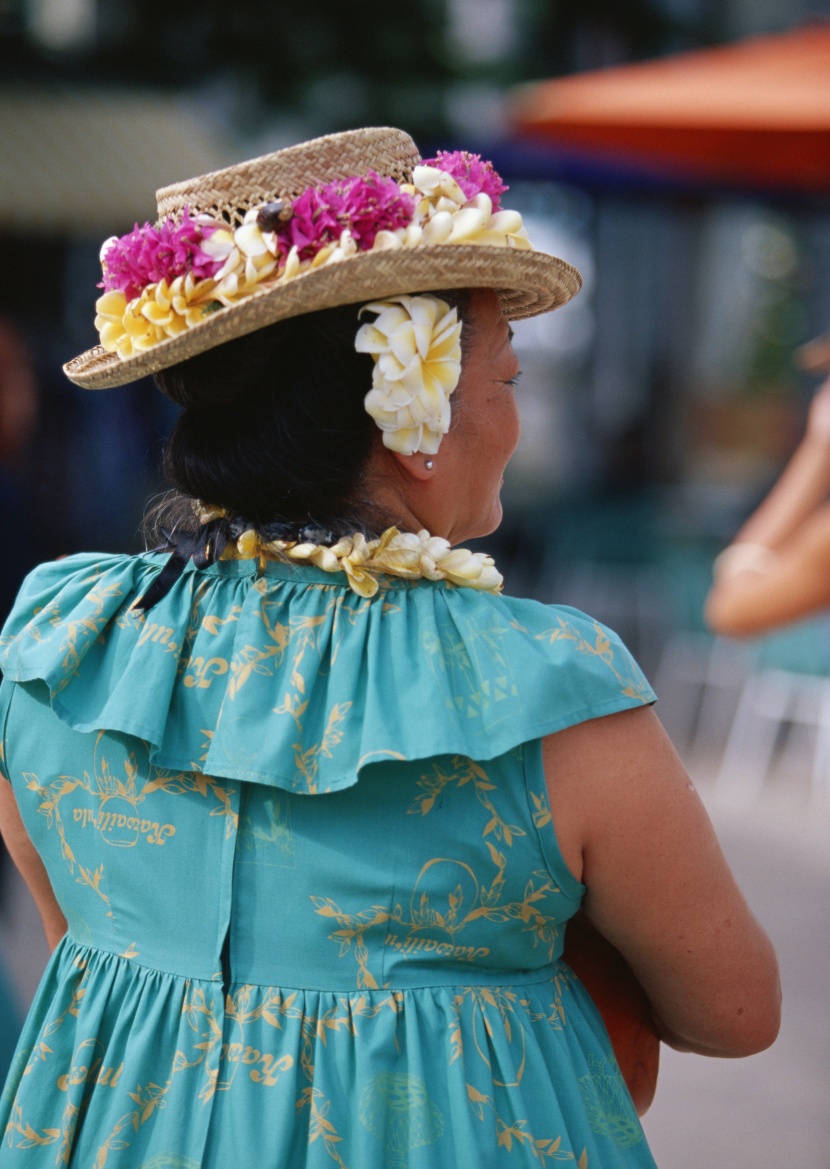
572, 668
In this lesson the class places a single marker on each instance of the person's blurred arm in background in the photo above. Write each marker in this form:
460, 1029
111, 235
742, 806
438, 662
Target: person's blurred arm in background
777, 569
19, 406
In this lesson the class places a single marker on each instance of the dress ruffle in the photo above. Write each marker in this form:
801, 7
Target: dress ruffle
283, 676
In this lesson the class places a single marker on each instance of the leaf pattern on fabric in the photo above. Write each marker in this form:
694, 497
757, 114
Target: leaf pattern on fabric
632, 683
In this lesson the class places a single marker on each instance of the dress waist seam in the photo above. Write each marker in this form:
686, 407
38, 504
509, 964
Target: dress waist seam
538, 979
86, 948
535, 978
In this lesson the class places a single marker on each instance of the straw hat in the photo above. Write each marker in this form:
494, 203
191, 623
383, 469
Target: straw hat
527, 282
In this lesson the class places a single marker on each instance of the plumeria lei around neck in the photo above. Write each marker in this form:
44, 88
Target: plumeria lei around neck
408, 555
160, 280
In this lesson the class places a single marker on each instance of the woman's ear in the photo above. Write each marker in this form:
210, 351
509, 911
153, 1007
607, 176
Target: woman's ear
419, 466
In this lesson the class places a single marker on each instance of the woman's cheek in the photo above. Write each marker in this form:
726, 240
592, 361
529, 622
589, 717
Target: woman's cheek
512, 428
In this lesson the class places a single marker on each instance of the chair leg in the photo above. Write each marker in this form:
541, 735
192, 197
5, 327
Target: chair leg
820, 788
728, 666
678, 680
763, 707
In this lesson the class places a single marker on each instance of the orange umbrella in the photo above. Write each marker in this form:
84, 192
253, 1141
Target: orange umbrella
756, 113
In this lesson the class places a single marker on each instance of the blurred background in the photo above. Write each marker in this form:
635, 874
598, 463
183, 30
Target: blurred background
678, 153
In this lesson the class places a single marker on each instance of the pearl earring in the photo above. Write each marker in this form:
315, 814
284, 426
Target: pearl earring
429, 464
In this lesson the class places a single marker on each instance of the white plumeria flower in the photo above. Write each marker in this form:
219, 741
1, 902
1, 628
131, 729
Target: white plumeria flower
332, 253
448, 217
250, 240
416, 344
219, 244
106, 245
438, 228
388, 241
437, 184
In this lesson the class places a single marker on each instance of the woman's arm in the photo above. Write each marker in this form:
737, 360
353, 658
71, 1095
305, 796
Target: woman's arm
631, 827
776, 569
23, 854
793, 583
802, 486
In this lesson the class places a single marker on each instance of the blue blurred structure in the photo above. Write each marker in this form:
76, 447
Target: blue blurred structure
10, 1023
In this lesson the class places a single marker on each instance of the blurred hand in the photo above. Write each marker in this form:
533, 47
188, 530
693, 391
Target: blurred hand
818, 419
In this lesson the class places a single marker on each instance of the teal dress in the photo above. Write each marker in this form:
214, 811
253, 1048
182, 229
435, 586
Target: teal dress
315, 901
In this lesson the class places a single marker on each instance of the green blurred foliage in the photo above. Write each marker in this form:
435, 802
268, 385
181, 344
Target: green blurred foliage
337, 63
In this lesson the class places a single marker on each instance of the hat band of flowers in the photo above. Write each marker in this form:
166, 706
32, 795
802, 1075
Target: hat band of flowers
164, 281
161, 280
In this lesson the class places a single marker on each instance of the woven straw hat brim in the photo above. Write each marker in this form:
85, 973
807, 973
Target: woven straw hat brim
527, 283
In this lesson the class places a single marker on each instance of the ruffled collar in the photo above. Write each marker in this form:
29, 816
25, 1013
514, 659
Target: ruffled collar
281, 674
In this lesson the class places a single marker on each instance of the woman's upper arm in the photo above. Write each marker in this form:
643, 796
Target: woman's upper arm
795, 584
658, 885
27, 860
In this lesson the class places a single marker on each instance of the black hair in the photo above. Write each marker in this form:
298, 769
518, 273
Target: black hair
273, 427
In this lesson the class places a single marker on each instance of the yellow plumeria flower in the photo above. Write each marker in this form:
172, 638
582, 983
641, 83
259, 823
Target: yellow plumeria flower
447, 217
416, 344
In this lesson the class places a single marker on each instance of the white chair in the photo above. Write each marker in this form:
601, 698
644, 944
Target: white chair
699, 681
789, 687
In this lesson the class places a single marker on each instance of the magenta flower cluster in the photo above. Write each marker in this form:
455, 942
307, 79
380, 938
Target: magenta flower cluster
472, 173
149, 254
365, 205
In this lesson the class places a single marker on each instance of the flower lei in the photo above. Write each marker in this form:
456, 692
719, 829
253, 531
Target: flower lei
409, 555
161, 280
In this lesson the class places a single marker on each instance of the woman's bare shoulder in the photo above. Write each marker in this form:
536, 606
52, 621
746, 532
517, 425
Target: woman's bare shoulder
632, 827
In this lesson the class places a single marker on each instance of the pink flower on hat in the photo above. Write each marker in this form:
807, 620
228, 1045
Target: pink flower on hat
311, 227
149, 254
369, 204
365, 205
472, 173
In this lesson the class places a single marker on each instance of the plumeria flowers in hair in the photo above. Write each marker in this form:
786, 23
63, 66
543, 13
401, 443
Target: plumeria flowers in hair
416, 345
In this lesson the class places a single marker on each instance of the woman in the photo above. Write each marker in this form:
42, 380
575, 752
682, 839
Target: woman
291, 785
777, 569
